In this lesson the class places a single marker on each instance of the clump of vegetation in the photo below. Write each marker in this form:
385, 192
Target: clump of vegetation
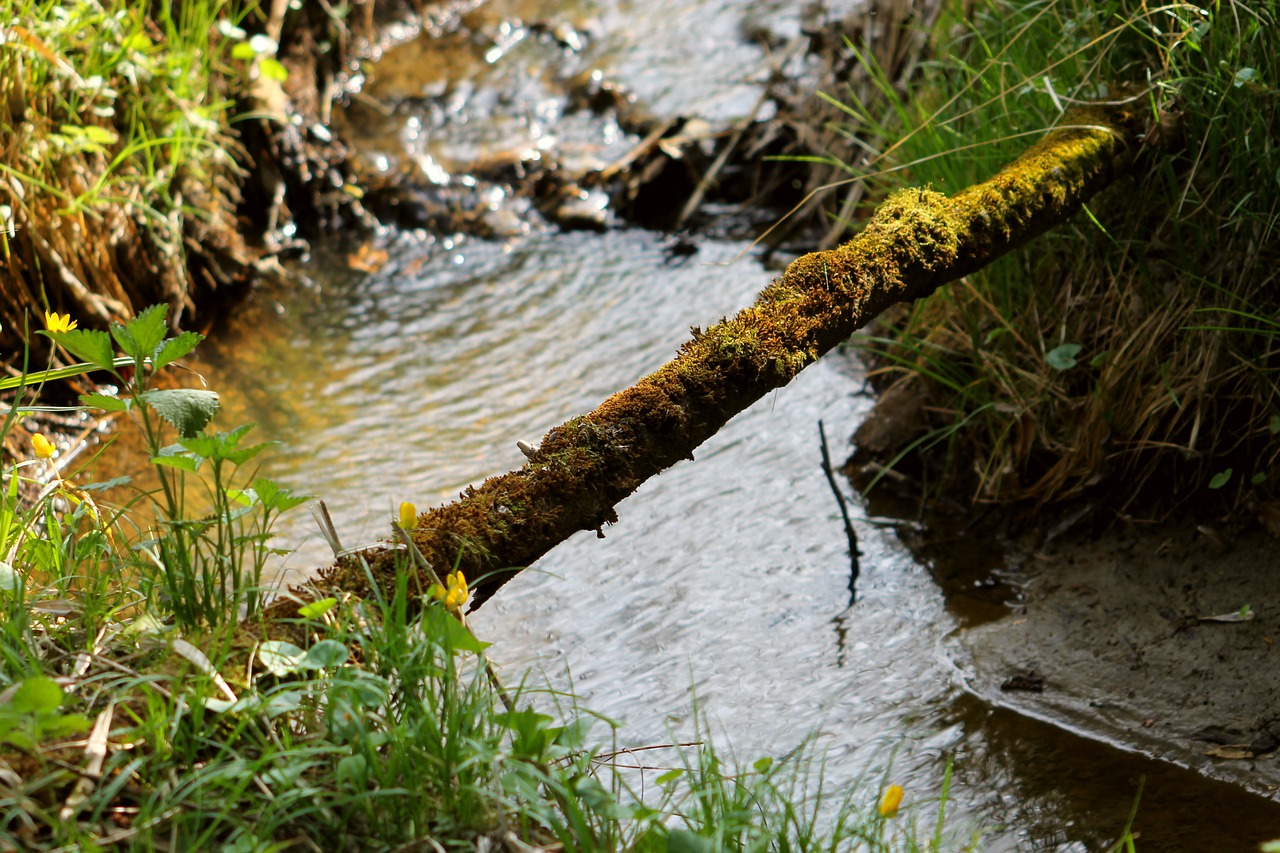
1134, 352
143, 706
116, 155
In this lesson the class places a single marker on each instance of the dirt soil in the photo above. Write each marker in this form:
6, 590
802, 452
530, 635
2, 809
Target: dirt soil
1138, 638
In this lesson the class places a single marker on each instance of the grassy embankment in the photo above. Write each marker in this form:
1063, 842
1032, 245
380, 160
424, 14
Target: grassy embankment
137, 709
1132, 357
119, 168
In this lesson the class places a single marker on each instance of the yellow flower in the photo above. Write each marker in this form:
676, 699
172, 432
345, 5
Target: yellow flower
890, 801
43, 447
408, 515
456, 595
58, 322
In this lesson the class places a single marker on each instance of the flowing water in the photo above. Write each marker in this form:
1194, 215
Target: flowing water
723, 593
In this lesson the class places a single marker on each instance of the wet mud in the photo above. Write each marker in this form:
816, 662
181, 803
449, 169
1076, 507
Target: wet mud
1161, 641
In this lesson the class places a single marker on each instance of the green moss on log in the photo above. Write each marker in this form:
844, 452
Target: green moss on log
917, 240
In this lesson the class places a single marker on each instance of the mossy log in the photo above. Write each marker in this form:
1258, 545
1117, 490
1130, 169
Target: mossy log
916, 241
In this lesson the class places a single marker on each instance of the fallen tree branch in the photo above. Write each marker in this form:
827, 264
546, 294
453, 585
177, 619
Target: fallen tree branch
916, 241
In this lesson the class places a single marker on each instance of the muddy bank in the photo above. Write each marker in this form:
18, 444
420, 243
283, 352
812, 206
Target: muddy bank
1156, 640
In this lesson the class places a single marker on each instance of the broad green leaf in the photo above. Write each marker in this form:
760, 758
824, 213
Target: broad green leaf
316, 609
1244, 75
595, 795
282, 703
247, 497
439, 623
325, 654
105, 402
100, 135
280, 657
1221, 478
147, 330
63, 725
10, 580
37, 695
89, 345
1063, 357
273, 496
272, 69
354, 771
685, 841
176, 348
188, 409
182, 463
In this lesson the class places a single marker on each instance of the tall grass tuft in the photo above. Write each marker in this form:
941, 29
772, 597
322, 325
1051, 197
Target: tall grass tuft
1135, 350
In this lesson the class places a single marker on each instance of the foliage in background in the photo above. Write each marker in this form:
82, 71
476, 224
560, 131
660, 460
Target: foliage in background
1139, 346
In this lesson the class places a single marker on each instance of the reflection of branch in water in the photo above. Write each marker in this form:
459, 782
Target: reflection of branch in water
849, 532
842, 636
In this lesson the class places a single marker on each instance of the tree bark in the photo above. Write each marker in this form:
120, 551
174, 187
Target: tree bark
916, 241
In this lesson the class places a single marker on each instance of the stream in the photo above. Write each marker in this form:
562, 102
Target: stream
719, 607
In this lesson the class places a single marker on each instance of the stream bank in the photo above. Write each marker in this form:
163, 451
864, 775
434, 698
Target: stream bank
475, 374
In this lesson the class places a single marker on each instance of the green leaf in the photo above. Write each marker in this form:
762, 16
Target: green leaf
100, 135
147, 330
325, 654
280, 657
107, 484
1063, 357
105, 402
188, 409
10, 580
89, 345
176, 348
273, 496
354, 771
685, 841
1259, 478
763, 765
669, 777
595, 795
1244, 75
273, 70
38, 695
282, 703
182, 463
1221, 478
316, 609
242, 51
63, 725
1275, 425
453, 634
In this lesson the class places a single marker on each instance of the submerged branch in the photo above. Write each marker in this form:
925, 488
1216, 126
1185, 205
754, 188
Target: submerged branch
916, 241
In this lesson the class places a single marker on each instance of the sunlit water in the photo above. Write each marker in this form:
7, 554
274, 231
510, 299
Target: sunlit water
723, 591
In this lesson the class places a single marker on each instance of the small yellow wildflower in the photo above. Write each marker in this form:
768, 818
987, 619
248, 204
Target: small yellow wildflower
456, 595
408, 515
891, 800
58, 322
43, 447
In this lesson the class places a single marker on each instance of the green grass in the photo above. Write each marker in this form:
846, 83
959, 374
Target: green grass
1137, 345
142, 707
